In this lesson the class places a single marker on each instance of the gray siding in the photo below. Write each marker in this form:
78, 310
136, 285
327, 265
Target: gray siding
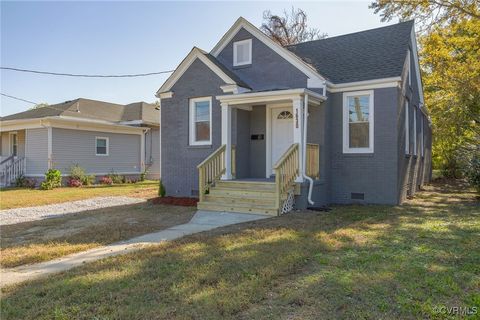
242, 143
36, 151
268, 69
179, 160
152, 153
258, 147
372, 174
70, 147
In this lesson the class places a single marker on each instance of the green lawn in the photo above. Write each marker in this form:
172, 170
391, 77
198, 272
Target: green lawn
359, 262
17, 198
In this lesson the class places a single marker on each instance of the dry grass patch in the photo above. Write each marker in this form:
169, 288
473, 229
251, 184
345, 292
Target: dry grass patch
43, 240
19, 198
354, 262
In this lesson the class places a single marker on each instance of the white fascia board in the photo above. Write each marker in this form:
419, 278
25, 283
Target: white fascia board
233, 88
364, 85
20, 124
253, 97
196, 53
165, 95
417, 65
241, 22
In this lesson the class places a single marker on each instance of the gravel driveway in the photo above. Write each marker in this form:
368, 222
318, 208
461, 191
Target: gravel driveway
18, 215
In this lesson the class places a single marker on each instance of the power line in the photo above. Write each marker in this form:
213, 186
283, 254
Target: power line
16, 98
88, 75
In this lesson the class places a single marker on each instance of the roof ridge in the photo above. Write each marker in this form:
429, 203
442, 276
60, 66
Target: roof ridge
352, 33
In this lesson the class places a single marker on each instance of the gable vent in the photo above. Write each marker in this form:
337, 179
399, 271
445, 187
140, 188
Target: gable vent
357, 196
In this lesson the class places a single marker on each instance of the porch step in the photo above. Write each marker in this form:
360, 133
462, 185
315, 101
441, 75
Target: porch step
241, 196
236, 208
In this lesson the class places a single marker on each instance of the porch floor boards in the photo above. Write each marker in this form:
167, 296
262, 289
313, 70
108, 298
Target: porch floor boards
243, 195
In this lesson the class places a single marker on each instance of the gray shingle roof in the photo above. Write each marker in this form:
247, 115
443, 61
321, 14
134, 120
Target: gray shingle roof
228, 72
90, 109
371, 54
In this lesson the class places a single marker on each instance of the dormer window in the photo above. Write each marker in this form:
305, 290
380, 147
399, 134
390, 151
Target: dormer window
242, 52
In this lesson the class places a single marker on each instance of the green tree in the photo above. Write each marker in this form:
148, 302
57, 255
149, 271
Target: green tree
449, 45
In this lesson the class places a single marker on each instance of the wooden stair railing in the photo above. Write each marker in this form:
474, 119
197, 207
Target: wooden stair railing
12, 171
286, 171
313, 161
210, 170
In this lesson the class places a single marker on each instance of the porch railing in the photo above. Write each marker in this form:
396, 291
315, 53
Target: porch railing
10, 172
286, 171
210, 170
313, 161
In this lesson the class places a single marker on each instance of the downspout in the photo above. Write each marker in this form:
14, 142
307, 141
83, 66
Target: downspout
304, 150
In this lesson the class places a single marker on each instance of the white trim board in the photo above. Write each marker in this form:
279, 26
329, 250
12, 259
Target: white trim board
315, 80
194, 54
346, 123
365, 85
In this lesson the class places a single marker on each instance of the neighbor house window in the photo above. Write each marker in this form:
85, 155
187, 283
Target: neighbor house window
414, 130
407, 128
101, 146
358, 122
13, 144
242, 52
201, 121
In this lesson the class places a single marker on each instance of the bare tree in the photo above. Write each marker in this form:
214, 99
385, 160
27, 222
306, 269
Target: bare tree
291, 28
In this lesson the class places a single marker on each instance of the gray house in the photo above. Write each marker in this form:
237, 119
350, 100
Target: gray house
99, 136
252, 126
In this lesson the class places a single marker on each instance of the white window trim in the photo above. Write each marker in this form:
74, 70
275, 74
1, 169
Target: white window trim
409, 70
10, 144
346, 126
235, 45
422, 141
407, 128
108, 146
191, 116
414, 131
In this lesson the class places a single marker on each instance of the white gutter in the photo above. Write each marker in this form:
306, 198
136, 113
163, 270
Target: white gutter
304, 150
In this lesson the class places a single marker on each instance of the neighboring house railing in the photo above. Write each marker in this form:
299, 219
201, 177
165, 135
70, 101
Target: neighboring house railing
11, 171
313, 161
234, 162
286, 171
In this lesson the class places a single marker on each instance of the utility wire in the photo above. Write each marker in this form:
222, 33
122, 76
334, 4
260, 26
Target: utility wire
88, 75
16, 98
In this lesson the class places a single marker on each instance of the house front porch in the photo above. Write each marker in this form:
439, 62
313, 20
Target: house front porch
264, 158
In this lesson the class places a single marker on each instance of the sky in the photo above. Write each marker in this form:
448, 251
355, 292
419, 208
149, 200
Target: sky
129, 37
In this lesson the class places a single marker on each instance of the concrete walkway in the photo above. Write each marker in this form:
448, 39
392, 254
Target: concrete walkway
201, 221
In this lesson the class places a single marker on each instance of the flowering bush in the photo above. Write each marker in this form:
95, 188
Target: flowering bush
106, 180
75, 183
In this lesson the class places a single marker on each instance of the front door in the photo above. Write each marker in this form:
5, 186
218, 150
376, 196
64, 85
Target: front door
282, 132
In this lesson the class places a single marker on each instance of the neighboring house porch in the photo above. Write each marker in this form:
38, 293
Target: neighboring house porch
266, 154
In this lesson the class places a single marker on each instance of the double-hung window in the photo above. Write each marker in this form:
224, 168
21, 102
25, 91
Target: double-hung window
200, 115
407, 128
242, 52
101, 146
358, 122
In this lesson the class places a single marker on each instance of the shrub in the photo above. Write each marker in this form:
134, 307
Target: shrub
53, 179
24, 182
88, 180
143, 175
161, 190
106, 180
75, 183
116, 178
77, 172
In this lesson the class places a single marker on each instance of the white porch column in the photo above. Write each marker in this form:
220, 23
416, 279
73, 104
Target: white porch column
298, 132
227, 139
